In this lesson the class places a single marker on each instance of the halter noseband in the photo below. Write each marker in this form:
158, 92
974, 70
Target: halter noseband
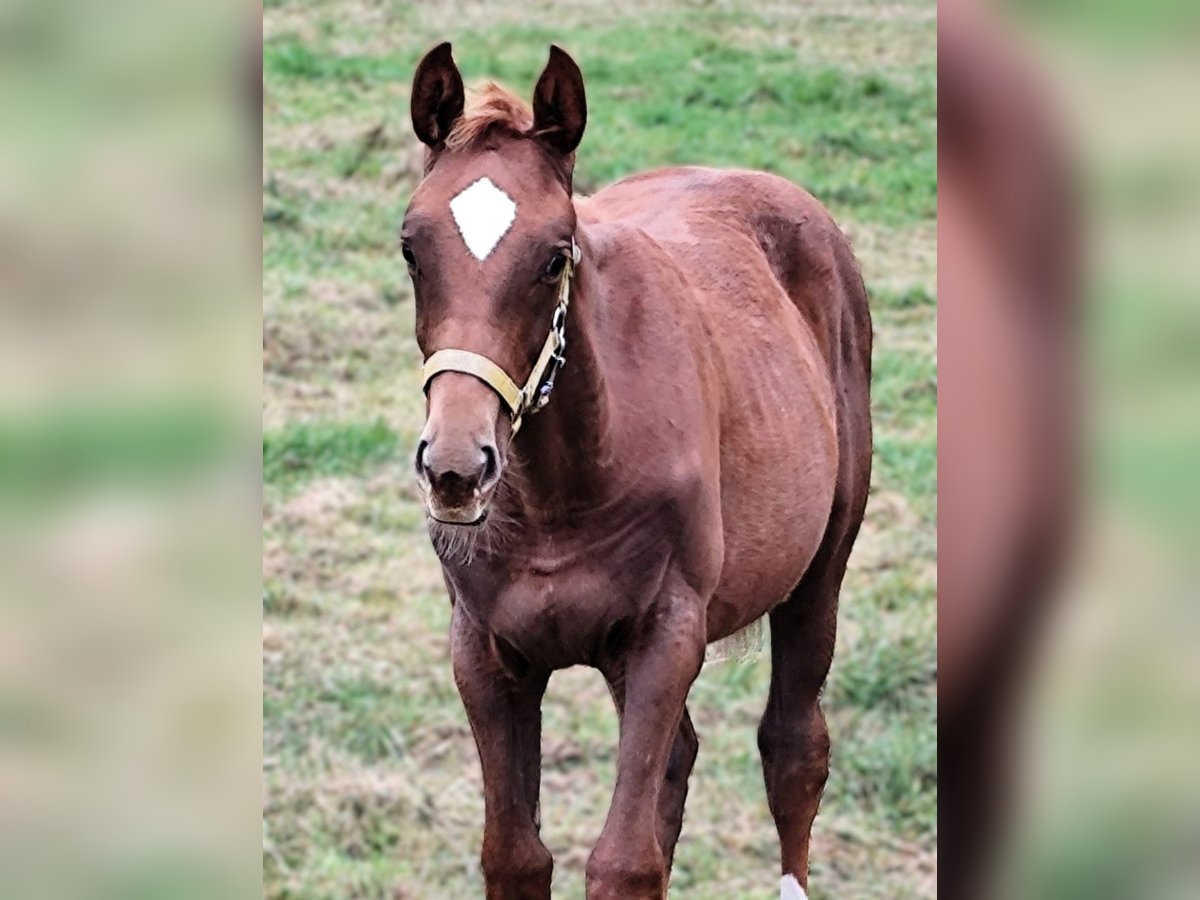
535, 394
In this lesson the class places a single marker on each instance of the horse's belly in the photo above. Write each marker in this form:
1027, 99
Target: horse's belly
779, 469
764, 561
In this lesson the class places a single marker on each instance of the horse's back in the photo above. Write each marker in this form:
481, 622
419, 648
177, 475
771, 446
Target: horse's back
788, 331
689, 209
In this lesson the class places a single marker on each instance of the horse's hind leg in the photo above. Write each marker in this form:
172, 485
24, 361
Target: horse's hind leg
792, 737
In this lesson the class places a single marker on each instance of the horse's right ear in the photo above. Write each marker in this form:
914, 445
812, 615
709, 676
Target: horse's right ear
437, 96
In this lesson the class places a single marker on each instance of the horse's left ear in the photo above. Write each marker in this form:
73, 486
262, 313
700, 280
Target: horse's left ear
559, 103
437, 96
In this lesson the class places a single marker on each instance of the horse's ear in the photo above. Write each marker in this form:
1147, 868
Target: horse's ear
559, 103
437, 96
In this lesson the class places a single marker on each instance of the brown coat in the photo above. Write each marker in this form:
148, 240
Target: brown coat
703, 460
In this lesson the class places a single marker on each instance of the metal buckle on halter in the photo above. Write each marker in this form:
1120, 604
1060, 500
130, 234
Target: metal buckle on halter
557, 361
558, 330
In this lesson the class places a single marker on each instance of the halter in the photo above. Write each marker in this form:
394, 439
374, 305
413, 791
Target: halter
534, 396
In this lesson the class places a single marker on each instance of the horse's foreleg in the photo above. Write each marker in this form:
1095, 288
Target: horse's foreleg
673, 795
629, 861
506, 719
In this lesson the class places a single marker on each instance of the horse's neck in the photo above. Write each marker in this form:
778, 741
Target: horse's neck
565, 450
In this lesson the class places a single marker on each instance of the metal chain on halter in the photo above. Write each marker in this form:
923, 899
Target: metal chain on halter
558, 329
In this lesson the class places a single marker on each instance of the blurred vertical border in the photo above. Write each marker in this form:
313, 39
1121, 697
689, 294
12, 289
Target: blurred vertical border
1069, 431
130, 720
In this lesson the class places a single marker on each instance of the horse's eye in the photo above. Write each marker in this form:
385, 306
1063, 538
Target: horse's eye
554, 267
406, 251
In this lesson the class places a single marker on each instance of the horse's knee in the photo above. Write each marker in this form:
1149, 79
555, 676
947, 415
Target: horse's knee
625, 882
626, 873
520, 868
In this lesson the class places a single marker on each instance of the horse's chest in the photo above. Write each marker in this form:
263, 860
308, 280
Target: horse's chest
560, 615
557, 605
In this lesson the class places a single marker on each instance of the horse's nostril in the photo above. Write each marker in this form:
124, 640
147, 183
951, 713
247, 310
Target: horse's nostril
419, 459
490, 468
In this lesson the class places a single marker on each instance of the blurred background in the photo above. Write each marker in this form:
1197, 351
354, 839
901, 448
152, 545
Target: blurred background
1069, 427
129, 538
135, 757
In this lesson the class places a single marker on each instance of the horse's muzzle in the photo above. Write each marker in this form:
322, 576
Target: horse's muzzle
457, 482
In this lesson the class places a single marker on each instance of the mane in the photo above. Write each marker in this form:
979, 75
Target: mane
490, 107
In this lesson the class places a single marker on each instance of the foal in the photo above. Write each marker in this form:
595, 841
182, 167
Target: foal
700, 461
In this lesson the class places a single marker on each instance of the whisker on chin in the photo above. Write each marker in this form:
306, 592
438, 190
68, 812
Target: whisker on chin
462, 543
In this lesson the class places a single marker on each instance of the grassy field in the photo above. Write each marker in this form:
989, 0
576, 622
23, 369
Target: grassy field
372, 784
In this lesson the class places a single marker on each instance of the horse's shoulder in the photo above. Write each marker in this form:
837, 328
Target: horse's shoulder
624, 248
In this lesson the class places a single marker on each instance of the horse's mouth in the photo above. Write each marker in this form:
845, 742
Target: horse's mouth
464, 509
460, 518
461, 523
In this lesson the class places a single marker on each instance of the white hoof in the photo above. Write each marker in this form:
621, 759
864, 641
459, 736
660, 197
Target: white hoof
789, 889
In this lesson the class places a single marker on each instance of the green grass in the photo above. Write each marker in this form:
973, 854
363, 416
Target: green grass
915, 297
305, 450
672, 93
372, 781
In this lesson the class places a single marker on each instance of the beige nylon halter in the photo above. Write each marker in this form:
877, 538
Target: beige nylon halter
524, 400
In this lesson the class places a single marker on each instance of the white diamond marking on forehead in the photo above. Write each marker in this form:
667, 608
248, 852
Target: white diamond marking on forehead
483, 214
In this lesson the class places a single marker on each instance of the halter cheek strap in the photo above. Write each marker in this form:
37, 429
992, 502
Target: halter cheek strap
535, 394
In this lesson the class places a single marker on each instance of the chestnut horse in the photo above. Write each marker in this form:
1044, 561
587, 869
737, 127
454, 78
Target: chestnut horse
701, 460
